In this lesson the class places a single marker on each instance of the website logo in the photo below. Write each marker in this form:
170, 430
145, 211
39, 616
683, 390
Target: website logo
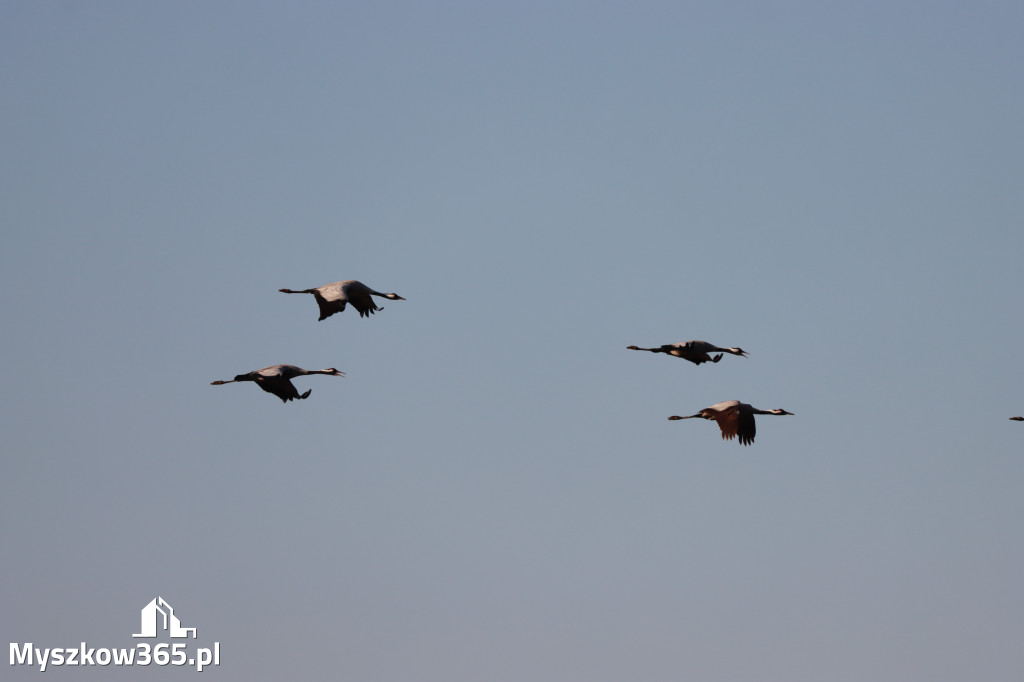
150, 620
157, 616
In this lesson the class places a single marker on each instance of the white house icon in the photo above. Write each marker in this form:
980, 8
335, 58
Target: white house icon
149, 620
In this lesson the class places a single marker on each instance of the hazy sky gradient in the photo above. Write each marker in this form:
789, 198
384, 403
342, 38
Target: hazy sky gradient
493, 492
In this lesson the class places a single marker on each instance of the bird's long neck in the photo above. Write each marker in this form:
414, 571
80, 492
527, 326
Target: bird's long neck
291, 291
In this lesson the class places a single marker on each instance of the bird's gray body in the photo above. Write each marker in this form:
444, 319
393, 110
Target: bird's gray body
332, 298
695, 351
734, 418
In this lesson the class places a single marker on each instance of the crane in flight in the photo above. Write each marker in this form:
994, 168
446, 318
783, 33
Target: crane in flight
694, 351
332, 298
276, 379
734, 418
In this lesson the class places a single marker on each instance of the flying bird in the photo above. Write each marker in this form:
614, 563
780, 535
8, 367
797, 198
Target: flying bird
276, 379
734, 418
333, 297
1017, 419
694, 351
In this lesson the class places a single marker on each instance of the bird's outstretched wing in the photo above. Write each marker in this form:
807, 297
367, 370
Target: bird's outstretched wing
729, 422
358, 294
747, 427
279, 386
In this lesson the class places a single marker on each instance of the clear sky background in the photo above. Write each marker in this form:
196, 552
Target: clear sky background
494, 492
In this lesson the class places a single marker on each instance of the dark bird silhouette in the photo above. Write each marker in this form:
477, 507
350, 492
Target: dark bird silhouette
1017, 419
734, 418
333, 297
276, 379
694, 351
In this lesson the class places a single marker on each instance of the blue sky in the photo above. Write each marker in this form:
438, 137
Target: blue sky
493, 491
